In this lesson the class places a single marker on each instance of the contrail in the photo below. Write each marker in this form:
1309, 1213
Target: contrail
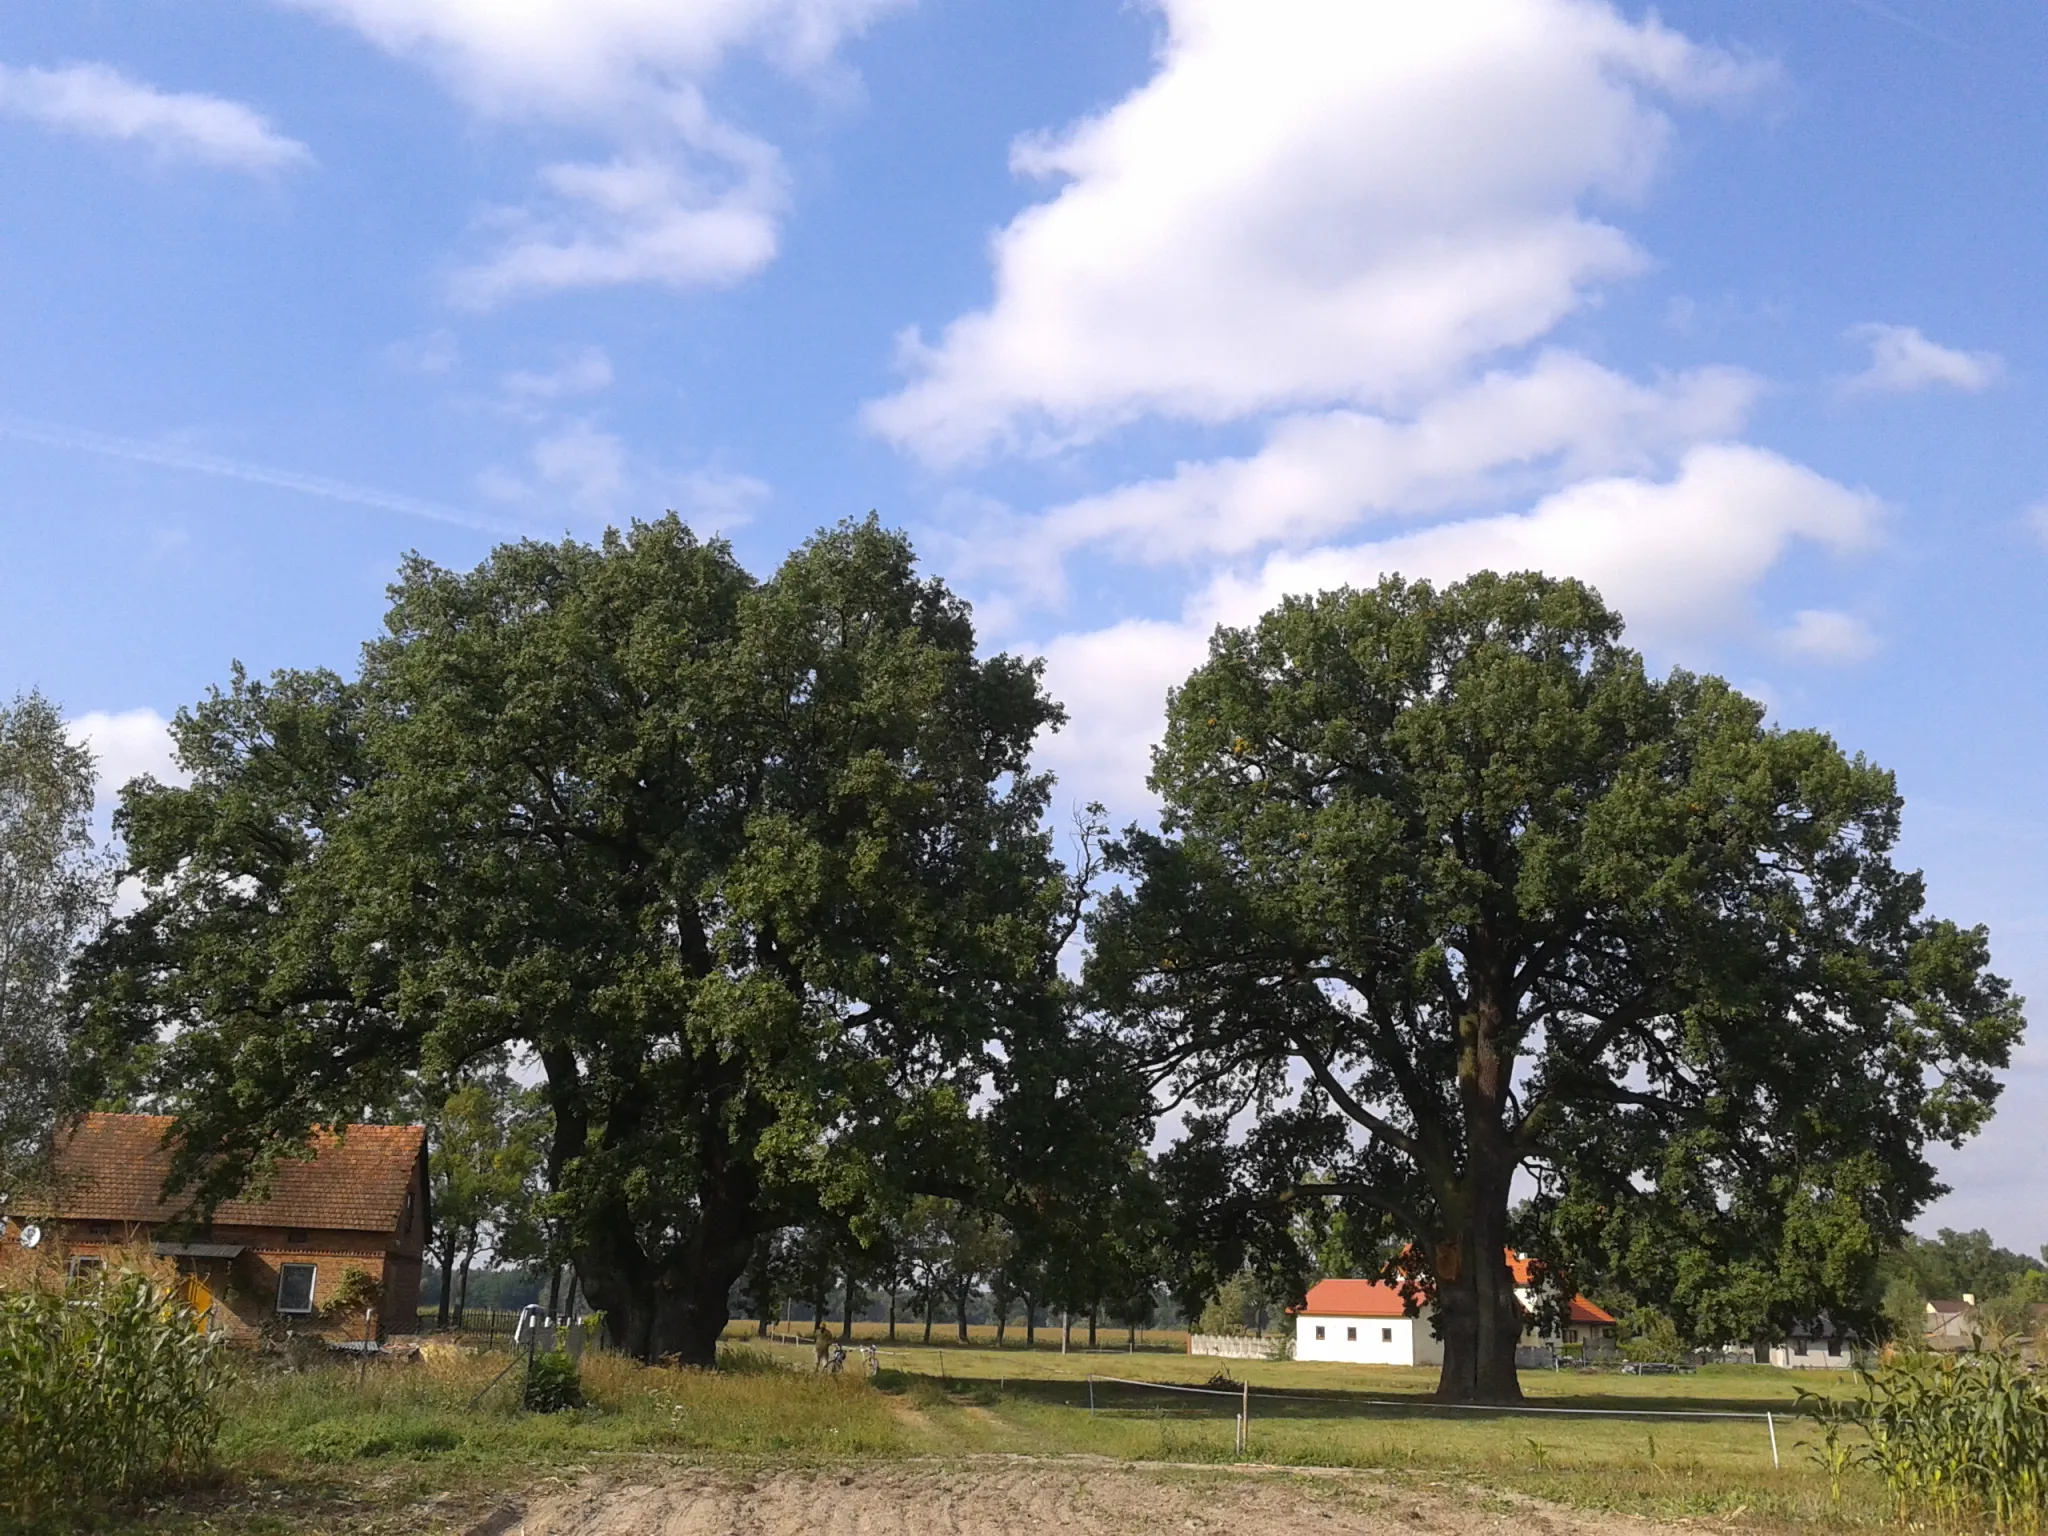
170, 456
1925, 31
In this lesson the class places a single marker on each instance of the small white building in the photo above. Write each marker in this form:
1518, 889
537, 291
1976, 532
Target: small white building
1817, 1346
1363, 1322
1366, 1323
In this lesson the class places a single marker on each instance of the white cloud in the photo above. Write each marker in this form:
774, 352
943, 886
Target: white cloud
643, 220
126, 744
1680, 558
100, 102
584, 373
719, 499
435, 353
1317, 474
1826, 634
1312, 202
687, 200
1903, 361
2035, 521
513, 56
591, 473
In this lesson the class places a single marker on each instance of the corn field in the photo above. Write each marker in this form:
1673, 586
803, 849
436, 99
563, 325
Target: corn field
1959, 1439
107, 1388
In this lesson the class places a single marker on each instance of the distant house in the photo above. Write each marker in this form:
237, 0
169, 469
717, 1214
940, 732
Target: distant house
1818, 1346
1949, 1323
1366, 1322
357, 1202
1959, 1325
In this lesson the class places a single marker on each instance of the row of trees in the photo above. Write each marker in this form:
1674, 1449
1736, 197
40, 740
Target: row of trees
755, 878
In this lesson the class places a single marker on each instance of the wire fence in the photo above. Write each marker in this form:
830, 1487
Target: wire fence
1243, 1394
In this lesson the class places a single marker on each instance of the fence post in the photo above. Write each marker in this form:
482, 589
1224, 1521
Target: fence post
1091, 1397
1771, 1424
1244, 1422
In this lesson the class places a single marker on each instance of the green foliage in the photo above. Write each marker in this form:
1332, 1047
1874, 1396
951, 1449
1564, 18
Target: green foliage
553, 1384
53, 888
487, 1141
355, 1293
1956, 1437
1512, 903
753, 870
1235, 1306
1954, 1264
107, 1389
1648, 1334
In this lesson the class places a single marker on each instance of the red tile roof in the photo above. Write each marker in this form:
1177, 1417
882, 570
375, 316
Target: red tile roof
1353, 1298
1376, 1298
111, 1168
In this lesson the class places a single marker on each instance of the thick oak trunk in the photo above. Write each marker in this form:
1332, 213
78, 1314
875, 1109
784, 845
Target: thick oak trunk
1479, 1316
674, 1311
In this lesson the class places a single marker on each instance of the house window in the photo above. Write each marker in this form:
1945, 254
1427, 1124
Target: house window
1386, 1335
79, 1269
100, 1229
296, 1235
1319, 1330
1799, 1346
1350, 1335
295, 1289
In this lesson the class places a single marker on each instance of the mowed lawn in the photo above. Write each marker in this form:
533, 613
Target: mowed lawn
1346, 1415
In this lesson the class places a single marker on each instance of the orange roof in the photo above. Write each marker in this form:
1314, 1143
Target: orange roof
1353, 1298
1583, 1311
112, 1167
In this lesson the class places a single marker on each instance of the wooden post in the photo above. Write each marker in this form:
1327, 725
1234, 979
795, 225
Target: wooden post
1771, 1424
1244, 1421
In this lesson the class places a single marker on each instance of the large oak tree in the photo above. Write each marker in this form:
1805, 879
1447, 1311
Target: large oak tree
752, 872
1448, 867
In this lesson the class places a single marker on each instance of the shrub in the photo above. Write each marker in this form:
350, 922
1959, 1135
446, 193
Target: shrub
107, 1387
357, 1293
552, 1384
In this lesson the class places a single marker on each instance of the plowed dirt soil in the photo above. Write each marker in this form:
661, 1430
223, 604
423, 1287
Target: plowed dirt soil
1005, 1496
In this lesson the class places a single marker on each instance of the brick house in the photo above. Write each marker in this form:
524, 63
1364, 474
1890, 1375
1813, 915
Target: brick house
358, 1202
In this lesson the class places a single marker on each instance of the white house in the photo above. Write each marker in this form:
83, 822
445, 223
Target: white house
1363, 1322
1817, 1346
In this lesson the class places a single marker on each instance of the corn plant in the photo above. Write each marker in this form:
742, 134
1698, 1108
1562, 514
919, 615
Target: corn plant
107, 1388
1958, 1439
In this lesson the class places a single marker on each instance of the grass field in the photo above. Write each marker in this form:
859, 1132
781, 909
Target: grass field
425, 1446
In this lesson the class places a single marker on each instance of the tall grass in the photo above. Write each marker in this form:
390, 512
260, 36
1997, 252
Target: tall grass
1959, 1439
107, 1388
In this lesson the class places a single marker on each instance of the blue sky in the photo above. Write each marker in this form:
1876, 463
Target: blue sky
1135, 314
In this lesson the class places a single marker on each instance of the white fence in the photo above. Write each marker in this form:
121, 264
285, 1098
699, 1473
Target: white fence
1237, 1346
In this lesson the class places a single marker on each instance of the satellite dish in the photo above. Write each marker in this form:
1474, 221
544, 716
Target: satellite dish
30, 1236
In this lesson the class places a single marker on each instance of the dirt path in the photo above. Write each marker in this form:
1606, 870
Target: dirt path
1017, 1496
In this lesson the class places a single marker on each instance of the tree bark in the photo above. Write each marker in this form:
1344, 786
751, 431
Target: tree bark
447, 1286
1094, 1316
960, 1298
892, 1314
931, 1302
846, 1315
1480, 1317
676, 1309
